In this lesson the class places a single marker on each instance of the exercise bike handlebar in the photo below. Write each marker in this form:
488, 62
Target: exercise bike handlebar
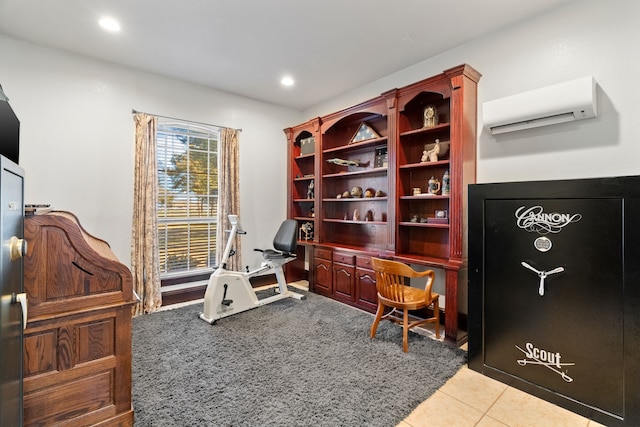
235, 220
237, 231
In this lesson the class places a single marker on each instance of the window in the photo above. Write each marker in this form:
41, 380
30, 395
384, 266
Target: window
187, 198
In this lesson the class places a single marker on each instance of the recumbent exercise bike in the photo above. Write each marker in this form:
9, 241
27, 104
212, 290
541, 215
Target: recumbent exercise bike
230, 292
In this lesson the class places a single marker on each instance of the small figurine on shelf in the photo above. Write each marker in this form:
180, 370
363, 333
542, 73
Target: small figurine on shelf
446, 184
311, 189
434, 186
307, 229
430, 116
431, 155
369, 215
356, 191
356, 215
312, 212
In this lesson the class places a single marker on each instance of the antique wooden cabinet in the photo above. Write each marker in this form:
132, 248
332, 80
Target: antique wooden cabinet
77, 345
375, 184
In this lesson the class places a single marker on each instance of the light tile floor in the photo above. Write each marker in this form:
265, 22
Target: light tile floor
470, 399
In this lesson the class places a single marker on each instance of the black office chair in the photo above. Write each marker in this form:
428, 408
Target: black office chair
284, 243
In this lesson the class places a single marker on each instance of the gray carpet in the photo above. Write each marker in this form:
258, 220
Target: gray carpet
290, 363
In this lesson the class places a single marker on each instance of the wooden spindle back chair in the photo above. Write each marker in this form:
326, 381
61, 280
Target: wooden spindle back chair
393, 293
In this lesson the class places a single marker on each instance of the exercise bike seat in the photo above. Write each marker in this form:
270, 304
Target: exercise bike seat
285, 242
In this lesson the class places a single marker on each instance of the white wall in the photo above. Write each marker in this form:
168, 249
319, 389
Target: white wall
586, 37
77, 139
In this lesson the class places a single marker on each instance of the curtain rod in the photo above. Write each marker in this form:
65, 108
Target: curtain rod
133, 111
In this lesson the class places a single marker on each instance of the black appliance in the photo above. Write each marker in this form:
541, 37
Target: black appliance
554, 292
9, 130
13, 301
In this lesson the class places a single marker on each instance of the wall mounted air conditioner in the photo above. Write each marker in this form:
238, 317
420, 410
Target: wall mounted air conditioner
564, 102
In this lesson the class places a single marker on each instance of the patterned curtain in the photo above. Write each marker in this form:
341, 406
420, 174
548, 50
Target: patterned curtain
229, 194
145, 259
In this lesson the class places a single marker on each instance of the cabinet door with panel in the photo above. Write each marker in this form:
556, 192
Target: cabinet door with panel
366, 293
323, 266
344, 277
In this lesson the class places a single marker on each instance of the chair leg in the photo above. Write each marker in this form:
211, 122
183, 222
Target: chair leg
405, 331
436, 314
379, 313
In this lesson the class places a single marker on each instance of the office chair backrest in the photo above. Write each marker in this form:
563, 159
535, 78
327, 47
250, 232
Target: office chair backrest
286, 239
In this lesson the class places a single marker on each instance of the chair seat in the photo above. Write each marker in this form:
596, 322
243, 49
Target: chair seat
414, 299
271, 254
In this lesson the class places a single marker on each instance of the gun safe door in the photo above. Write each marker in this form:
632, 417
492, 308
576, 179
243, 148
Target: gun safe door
553, 292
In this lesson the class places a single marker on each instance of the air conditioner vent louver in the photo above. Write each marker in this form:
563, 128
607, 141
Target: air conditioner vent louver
573, 100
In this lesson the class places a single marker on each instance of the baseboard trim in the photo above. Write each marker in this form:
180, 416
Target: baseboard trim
176, 294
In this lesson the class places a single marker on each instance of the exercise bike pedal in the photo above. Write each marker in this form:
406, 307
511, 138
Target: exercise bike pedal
226, 302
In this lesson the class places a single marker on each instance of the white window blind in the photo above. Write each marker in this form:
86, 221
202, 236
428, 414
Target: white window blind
187, 197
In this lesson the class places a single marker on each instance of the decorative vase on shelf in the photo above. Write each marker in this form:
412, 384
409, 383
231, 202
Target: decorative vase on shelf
446, 184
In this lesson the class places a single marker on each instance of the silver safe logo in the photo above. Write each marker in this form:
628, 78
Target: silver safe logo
534, 219
548, 359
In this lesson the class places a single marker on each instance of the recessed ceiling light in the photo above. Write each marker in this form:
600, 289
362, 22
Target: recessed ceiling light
287, 81
109, 24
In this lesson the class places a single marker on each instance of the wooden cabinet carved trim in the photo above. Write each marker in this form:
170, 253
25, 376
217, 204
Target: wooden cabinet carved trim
77, 345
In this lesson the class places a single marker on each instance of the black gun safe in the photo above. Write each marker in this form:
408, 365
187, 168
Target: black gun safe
554, 292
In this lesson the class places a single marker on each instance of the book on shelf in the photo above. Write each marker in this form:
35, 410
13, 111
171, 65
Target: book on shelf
437, 221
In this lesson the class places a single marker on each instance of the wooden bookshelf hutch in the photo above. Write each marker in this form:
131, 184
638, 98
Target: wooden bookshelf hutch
345, 228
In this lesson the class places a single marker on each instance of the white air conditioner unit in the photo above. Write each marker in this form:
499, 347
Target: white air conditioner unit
564, 102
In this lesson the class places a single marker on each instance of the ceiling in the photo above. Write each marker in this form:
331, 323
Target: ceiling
245, 47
